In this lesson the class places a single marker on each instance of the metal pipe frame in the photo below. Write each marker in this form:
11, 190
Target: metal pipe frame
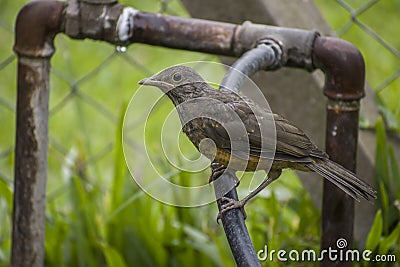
37, 24
39, 21
344, 71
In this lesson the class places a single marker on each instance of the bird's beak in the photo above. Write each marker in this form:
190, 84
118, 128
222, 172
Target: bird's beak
150, 81
147, 81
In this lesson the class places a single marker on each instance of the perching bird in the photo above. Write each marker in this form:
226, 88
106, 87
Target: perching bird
197, 102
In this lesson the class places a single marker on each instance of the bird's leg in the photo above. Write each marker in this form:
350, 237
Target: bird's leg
236, 204
217, 169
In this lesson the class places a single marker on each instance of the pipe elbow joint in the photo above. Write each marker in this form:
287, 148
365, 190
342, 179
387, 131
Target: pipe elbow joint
36, 25
344, 68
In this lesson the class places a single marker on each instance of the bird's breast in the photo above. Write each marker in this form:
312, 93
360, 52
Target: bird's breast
193, 132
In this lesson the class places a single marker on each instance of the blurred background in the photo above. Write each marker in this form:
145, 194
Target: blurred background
97, 216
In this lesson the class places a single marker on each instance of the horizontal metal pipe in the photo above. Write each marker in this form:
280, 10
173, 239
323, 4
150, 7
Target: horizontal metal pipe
183, 33
124, 25
222, 38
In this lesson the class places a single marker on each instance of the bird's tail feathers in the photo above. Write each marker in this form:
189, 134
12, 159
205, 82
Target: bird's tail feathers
343, 178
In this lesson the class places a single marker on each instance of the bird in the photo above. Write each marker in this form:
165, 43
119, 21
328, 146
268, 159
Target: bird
206, 114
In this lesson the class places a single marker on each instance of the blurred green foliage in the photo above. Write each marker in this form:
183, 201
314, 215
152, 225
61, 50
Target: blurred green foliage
97, 216
384, 236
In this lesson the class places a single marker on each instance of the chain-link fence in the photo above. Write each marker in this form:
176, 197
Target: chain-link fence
370, 26
92, 81
91, 84
81, 86
378, 43
391, 47
78, 90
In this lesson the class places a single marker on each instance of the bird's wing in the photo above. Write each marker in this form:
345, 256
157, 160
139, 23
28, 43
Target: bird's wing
291, 142
223, 124
232, 123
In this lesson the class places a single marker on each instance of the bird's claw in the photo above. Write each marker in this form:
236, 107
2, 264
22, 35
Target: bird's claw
217, 170
231, 204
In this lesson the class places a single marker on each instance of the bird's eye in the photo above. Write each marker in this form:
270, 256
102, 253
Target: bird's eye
177, 77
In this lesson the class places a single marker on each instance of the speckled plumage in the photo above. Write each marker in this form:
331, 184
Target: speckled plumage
194, 98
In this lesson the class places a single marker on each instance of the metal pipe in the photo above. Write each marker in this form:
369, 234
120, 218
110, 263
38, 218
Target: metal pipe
236, 231
343, 66
344, 70
220, 38
36, 25
123, 26
182, 33
267, 55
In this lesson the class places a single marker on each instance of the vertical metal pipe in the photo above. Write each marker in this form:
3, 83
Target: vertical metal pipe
266, 56
30, 162
338, 207
344, 86
37, 23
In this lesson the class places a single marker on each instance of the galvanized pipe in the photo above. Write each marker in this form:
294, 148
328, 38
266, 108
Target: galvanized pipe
344, 70
221, 38
266, 56
37, 23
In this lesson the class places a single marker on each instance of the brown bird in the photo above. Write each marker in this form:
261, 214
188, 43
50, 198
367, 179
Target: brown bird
207, 113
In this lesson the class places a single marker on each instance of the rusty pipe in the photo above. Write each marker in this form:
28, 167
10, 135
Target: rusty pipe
221, 38
344, 70
183, 33
37, 24
121, 25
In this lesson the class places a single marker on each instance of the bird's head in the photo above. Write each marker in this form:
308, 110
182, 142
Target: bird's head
173, 77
